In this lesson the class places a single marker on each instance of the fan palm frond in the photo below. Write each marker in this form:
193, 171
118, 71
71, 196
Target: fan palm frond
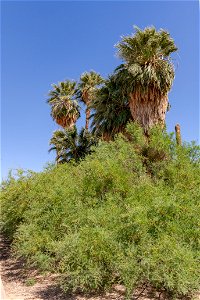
64, 107
86, 90
147, 73
111, 111
89, 81
69, 144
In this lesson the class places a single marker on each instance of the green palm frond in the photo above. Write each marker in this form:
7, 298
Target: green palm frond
62, 101
89, 82
110, 109
69, 144
147, 61
146, 46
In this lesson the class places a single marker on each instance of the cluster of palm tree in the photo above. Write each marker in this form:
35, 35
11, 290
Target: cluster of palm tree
64, 100
136, 91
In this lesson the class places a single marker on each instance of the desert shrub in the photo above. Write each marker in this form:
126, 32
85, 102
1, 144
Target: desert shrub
14, 201
169, 263
127, 214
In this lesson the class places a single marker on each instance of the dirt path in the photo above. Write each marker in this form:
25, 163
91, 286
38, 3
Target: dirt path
22, 284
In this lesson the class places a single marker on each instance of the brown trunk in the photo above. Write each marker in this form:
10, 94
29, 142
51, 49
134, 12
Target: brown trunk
66, 122
87, 118
106, 137
178, 134
86, 100
148, 108
56, 156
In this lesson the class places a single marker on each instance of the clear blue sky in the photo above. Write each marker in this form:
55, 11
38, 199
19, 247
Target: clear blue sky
46, 42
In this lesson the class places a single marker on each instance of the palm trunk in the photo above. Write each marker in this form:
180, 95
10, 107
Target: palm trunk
178, 134
87, 118
56, 156
148, 108
66, 122
86, 100
106, 137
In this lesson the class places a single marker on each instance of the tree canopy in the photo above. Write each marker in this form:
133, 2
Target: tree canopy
137, 90
64, 108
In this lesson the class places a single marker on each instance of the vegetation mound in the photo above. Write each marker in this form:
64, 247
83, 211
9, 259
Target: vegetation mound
127, 214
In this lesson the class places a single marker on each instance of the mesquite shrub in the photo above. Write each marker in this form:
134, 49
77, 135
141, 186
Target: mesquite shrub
127, 214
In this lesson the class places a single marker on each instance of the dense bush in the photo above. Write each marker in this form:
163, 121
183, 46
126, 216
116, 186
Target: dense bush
127, 214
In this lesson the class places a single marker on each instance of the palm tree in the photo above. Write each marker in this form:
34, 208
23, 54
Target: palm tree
147, 74
111, 110
89, 82
71, 145
58, 142
86, 141
64, 108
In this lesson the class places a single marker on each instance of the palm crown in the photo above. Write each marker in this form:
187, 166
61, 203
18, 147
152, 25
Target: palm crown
64, 108
146, 45
86, 91
87, 86
111, 111
69, 144
147, 74
147, 57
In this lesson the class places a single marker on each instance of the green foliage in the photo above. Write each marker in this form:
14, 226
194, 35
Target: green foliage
127, 214
71, 145
89, 83
146, 45
14, 189
111, 109
62, 101
30, 282
147, 70
147, 60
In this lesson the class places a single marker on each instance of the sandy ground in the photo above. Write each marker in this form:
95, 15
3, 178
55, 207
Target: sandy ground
22, 284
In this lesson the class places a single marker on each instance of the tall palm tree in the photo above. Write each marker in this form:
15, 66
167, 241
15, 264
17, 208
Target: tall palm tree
111, 110
89, 82
147, 74
69, 144
64, 108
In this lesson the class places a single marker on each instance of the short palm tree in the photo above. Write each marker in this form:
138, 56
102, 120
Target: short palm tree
111, 110
89, 82
147, 74
64, 108
69, 144
59, 145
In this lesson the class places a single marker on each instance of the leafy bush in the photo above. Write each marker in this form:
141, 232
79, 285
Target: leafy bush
127, 214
